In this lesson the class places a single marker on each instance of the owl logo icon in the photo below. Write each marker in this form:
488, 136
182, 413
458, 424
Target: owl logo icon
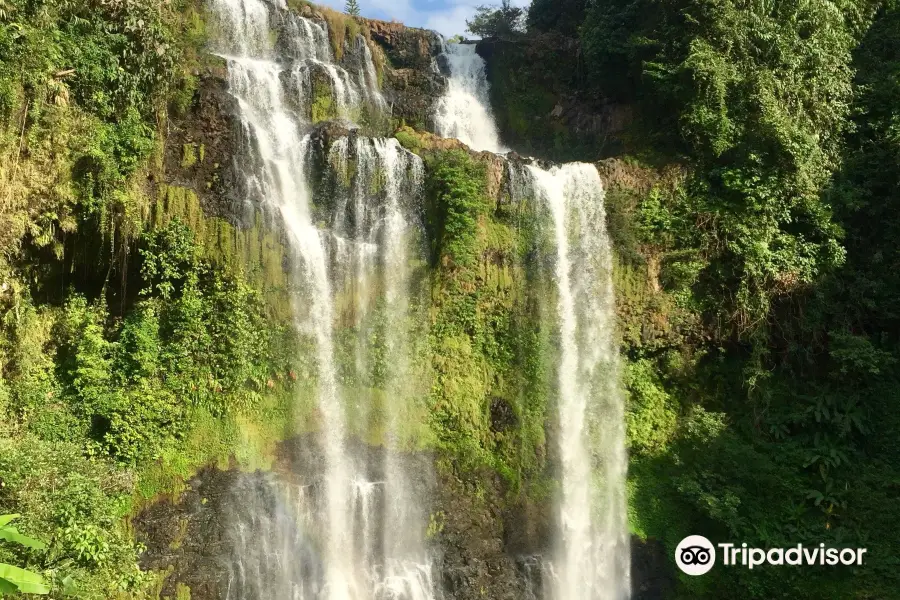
695, 555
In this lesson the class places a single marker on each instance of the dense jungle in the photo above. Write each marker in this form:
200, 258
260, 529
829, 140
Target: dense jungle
164, 342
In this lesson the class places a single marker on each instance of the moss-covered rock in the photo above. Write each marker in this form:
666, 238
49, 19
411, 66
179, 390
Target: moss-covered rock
199, 148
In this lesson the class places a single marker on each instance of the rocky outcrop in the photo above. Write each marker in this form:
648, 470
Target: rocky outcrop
200, 144
404, 56
405, 47
483, 542
412, 80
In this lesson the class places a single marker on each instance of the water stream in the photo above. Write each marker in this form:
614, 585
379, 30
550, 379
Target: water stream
591, 556
324, 537
464, 112
354, 529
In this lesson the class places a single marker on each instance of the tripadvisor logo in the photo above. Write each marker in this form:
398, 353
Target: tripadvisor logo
696, 555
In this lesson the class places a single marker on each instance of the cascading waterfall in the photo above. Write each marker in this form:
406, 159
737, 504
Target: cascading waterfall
356, 532
340, 532
591, 555
464, 111
390, 230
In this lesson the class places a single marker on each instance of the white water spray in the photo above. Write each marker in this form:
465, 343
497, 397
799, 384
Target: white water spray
362, 539
591, 553
464, 112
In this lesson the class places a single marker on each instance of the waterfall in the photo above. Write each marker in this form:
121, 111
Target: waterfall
591, 554
464, 112
354, 528
358, 532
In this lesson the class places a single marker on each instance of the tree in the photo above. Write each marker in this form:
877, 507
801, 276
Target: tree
13, 579
494, 21
352, 8
758, 98
564, 16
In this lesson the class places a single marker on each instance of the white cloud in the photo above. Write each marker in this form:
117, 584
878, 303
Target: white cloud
449, 22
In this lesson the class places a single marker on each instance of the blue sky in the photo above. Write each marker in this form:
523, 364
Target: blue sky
445, 16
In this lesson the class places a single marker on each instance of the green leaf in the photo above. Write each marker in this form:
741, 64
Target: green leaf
4, 519
11, 534
7, 587
69, 588
26, 581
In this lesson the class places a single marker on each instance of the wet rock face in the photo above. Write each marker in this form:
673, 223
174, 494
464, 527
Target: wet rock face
413, 79
228, 520
200, 145
486, 543
187, 536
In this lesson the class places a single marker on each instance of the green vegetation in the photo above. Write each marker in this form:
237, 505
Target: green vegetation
148, 396
563, 16
323, 106
489, 397
758, 289
756, 225
135, 341
497, 21
14, 579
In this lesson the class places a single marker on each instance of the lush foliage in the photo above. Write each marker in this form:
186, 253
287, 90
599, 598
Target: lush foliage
130, 349
497, 22
758, 288
758, 285
80, 87
768, 412
757, 100
564, 16
136, 390
14, 579
489, 395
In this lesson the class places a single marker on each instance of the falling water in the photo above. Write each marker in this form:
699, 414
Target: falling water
464, 112
383, 168
591, 553
358, 533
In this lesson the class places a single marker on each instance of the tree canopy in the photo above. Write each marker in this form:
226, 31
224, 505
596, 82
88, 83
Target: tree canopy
497, 21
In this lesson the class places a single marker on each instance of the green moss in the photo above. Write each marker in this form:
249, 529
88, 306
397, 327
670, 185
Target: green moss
409, 139
246, 440
256, 253
323, 107
188, 156
493, 344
